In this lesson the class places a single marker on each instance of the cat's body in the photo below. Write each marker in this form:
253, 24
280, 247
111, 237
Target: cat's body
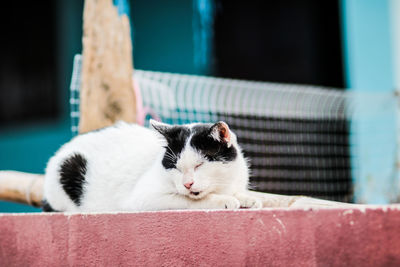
131, 168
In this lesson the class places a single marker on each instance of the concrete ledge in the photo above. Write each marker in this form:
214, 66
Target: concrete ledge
276, 237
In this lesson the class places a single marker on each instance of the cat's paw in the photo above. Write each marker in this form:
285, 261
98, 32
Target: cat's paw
216, 201
249, 202
226, 202
231, 203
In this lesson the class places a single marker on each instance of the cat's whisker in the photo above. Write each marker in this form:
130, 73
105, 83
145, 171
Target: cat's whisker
171, 159
172, 151
170, 156
169, 153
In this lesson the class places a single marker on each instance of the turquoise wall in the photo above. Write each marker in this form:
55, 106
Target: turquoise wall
163, 35
369, 73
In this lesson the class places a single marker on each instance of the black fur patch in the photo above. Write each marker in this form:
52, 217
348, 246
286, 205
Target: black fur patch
176, 137
46, 207
202, 141
72, 177
209, 147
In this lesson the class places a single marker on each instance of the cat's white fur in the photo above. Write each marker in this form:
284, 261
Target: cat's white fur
124, 173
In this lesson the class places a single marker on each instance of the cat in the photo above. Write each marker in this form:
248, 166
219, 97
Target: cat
127, 167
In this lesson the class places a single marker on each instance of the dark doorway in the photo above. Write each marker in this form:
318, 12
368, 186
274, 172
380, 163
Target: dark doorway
28, 69
286, 41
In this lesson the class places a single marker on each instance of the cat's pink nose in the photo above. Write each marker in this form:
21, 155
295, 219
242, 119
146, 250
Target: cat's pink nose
188, 185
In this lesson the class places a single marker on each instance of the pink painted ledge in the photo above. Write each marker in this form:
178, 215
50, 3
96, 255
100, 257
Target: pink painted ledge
269, 237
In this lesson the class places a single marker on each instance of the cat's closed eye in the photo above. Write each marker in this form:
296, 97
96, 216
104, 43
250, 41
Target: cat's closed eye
198, 165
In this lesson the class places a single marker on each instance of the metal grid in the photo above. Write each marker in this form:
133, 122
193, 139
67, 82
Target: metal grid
296, 137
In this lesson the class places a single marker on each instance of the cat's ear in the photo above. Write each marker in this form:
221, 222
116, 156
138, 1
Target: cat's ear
160, 127
220, 132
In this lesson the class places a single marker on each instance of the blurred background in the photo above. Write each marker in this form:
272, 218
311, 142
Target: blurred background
350, 45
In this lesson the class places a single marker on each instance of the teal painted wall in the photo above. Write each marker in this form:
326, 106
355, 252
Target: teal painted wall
163, 35
28, 149
369, 73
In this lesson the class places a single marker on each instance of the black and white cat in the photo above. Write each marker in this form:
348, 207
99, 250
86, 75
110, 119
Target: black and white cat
127, 167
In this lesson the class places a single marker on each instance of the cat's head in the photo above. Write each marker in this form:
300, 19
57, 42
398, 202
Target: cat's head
200, 157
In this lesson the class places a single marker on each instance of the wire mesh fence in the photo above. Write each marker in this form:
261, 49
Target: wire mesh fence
297, 138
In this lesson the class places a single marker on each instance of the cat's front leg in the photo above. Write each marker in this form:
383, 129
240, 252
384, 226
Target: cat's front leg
247, 201
216, 201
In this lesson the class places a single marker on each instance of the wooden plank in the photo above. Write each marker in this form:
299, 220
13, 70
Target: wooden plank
107, 90
26, 188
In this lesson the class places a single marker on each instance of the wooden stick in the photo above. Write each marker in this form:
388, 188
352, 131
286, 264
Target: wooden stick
283, 201
106, 91
26, 188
